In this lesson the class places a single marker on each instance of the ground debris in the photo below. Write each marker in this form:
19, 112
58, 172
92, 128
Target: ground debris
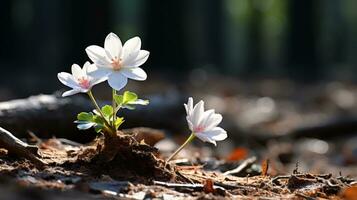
136, 172
197, 184
349, 193
109, 187
246, 164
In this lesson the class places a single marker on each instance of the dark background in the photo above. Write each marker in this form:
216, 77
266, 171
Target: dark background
301, 40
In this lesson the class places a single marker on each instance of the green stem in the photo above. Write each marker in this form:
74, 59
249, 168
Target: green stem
114, 107
189, 139
90, 94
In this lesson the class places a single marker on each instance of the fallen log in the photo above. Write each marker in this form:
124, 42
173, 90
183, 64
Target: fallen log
45, 115
52, 115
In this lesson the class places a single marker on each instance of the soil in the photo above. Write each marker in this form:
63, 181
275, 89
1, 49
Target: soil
135, 170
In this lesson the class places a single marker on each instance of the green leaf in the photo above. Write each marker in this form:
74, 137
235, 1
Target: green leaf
83, 116
98, 128
89, 120
128, 106
128, 100
107, 110
98, 120
85, 126
118, 122
140, 102
119, 99
129, 97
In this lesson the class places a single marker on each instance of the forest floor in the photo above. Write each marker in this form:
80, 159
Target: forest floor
199, 178
286, 141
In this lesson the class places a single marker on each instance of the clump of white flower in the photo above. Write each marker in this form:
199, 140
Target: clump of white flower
203, 124
80, 81
115, 63
119, 62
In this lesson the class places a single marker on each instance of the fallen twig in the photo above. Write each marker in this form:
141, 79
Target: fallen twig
17, 147
246, 164
275, 179
34, 137
195, 186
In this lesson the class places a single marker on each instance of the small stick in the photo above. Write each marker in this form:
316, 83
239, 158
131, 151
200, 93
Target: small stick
20, 148
34, 136
247, 163
196, 186
275, 180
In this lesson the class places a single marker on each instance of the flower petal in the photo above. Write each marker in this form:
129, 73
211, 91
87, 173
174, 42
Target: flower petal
117, 81
70, 92
140, 59
186, 108
67, 79
197, 113
98, 72
98, 55
77, 71
205, 117
189, 106
113, 45
134, 73
190, 125
190, 103
204, 138
212, 121
85, 90
217, 134
130, 51
87, 66
96, 81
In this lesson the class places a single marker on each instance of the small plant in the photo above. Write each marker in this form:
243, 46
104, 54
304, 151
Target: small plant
114, 63
203, 124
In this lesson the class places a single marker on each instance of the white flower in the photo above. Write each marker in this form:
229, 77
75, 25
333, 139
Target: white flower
204, 123
118, 62
79, 80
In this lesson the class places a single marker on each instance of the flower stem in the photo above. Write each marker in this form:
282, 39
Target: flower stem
90, 94
189, 139
114, 107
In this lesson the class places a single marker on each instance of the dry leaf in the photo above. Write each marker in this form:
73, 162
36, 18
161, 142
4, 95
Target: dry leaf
188, 168
52, 143
237, 154
350, 193
208, 186
265, 167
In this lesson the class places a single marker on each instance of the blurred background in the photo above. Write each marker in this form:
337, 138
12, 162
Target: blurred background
281, 72
298, 39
